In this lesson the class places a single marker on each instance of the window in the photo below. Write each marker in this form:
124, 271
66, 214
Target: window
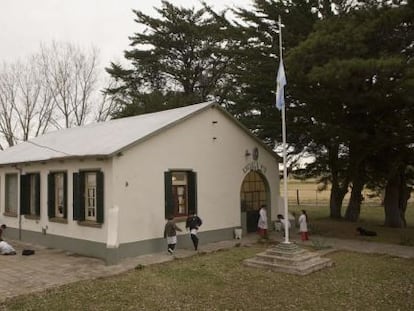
57, 195
88, 196
180, 193
30, 194
253, 192
11, 194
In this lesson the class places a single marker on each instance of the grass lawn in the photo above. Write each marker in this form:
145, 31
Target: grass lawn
219, 281
371, 218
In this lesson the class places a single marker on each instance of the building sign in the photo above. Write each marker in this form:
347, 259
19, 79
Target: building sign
254, 165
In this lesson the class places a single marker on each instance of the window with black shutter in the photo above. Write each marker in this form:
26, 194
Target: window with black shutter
57, 194
88, 196
180, 193
30, 195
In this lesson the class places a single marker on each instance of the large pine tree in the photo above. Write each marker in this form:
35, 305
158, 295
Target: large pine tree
177, 58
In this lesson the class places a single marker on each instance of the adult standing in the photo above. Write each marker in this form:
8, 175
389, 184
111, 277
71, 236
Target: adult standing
303, 226
193, 223
262, 225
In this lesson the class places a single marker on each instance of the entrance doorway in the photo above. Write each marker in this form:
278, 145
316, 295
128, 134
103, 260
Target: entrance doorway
254, 192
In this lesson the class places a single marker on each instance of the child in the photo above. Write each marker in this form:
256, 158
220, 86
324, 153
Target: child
193, 223
262, 222
170, 232
303, 226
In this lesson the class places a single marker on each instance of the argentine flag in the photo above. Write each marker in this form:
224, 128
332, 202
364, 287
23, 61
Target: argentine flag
280, 86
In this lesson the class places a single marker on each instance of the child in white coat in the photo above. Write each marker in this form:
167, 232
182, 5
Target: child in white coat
303, 226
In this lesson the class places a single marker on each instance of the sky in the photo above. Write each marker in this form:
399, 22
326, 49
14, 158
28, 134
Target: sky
104, 24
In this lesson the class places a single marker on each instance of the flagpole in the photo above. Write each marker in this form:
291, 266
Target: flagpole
285, 189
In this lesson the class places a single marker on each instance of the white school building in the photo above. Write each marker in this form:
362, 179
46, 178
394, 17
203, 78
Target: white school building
105, 189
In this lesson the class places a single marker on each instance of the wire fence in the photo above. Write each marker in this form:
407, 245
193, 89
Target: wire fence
309, 197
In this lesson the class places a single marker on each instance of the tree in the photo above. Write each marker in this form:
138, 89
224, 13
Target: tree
71, 75
179, 59
25, 102
54, 88
356, 66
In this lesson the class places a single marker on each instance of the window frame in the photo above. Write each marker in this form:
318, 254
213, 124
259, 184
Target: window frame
79, 197
53, 197
172, 195
7, 210
30, 195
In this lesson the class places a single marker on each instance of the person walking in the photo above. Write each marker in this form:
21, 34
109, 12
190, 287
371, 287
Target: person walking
303, 226
170, 233
262, 225
192, 224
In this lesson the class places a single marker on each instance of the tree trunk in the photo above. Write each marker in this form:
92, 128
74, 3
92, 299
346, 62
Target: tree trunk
395, 201
337, 192
335, 202
354, 206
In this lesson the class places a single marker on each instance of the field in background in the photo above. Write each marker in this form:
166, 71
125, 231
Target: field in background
306, 193
371, 217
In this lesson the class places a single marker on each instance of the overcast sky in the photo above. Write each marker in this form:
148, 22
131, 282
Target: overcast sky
105, 24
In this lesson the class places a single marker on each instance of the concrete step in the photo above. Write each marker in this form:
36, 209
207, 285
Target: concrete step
304, 269
295, 260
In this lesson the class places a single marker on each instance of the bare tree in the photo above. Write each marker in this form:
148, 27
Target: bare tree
55, 88
107, 104
71, 75
8, 97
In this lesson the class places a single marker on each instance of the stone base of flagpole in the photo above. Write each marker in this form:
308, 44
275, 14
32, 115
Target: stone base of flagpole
289, 258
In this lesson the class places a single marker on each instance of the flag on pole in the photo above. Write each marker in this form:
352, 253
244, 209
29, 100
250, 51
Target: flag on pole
280, 86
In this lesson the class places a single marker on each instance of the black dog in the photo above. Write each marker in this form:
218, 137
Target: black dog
362, 231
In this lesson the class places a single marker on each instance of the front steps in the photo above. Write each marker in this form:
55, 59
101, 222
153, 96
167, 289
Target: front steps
289, 258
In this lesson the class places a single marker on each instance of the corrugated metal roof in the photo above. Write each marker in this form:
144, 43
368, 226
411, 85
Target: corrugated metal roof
98, 139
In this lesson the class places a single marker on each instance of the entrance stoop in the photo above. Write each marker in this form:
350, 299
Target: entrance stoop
289, 258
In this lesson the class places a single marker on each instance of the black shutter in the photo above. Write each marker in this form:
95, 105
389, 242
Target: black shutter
168, 196
51, 195
99, 197
37, 193
65, 195
79, 196
192, 192
24, 195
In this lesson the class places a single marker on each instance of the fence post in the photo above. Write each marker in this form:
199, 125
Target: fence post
297, 197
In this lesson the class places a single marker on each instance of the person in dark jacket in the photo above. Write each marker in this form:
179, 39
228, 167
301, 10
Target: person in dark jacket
192, 224
170, 233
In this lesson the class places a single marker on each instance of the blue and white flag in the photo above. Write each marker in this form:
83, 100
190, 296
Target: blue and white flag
280, 86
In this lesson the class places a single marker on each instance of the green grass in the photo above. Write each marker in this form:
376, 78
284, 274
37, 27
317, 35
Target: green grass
219, 281
371, 218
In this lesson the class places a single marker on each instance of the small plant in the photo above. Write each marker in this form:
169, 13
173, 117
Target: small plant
139, 267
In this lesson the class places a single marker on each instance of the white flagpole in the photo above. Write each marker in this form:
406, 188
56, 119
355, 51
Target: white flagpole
285, 189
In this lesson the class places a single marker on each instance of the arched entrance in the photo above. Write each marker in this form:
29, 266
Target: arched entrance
253, 193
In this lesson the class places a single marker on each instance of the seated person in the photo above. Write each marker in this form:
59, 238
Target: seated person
5, 248
2, 228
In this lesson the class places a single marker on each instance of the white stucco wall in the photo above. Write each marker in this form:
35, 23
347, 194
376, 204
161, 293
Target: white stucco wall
139, 174
72, 228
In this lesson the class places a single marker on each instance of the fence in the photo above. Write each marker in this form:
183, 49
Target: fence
306, 194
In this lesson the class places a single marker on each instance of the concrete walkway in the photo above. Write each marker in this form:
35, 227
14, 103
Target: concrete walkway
51, 267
